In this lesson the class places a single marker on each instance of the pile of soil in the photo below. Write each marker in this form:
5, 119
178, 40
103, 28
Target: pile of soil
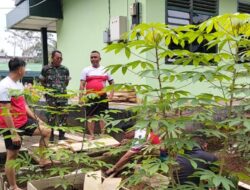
236, 166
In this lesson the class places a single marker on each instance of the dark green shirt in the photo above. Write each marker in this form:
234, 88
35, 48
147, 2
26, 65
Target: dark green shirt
55, 78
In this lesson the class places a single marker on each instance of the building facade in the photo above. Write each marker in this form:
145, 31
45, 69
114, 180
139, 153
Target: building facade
81, 27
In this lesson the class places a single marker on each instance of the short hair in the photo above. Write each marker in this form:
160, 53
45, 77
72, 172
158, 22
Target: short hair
95, 51
201, 140
54, 52
15, 63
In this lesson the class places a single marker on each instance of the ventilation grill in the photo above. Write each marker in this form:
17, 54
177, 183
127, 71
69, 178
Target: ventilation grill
205, 6
179, 5
243, 7
200, 6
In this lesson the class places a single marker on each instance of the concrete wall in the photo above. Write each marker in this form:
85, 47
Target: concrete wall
81, 31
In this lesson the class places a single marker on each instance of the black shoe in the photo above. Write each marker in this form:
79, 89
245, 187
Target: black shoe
51, 139
61, 138
61, 135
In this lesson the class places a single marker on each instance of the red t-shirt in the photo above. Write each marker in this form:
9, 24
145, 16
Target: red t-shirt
154, 139
11, 92
95, 78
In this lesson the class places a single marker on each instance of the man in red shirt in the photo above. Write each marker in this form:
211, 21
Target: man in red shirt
16, 116
93, 80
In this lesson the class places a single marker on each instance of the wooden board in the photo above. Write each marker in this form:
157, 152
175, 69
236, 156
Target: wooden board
111, 183
54, 147
93, 180
93, 144
71, 136
75, 146
51, 182
244, 185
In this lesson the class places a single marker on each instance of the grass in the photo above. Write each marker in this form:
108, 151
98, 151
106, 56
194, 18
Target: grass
243, 177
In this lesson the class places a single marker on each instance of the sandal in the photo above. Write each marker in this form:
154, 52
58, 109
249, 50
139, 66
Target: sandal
90, 138
109, 172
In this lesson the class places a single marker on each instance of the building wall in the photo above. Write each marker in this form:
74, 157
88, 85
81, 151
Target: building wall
81, 31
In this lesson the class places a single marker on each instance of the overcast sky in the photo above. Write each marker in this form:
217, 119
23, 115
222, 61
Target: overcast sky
5, 7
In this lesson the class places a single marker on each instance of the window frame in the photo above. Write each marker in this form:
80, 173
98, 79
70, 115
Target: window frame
190, 10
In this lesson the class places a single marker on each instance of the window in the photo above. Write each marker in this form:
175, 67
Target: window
243, 6
183, 12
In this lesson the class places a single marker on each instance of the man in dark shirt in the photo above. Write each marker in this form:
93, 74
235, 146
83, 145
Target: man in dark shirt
186, 170
56, 77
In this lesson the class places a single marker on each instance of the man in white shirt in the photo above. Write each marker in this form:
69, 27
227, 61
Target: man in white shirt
16, 116
93, 80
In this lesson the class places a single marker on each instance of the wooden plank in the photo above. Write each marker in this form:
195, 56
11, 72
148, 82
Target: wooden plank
93, 180
97, 143
71, 136
30, 186
111, 183
80, 146
51, 182
244, 185
5, 186
54, 147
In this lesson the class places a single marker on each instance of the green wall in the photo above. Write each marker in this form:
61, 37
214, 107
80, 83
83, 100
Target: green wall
227, 6
81, 31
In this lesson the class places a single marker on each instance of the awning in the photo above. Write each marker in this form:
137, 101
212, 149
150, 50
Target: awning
34, 15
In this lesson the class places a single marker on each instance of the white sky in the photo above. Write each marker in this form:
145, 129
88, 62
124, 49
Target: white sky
5, 7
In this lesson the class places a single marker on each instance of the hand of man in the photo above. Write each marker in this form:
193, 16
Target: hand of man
110, 98
81, 102
16, 139
41, 122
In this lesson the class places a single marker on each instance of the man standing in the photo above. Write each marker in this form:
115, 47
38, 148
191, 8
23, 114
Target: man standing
15, 114
93, 80
56, 77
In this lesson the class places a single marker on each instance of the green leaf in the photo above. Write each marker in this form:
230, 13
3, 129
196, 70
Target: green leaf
193, 163
246, 123
153, 169
216, 181
200, 39
115, 68
175, 40
164, 167
124, 70
127, 52
209, 26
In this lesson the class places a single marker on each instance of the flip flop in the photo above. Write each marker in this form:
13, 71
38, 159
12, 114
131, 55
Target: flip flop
109, 172
90, 138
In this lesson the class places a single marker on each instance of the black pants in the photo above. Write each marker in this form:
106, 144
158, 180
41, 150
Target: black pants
97, 105
56, 114
26, 130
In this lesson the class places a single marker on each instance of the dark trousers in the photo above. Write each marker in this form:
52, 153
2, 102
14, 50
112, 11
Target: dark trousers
56, 115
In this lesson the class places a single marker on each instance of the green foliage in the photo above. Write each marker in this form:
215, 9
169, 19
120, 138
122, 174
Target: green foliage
159, 102
168, 108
